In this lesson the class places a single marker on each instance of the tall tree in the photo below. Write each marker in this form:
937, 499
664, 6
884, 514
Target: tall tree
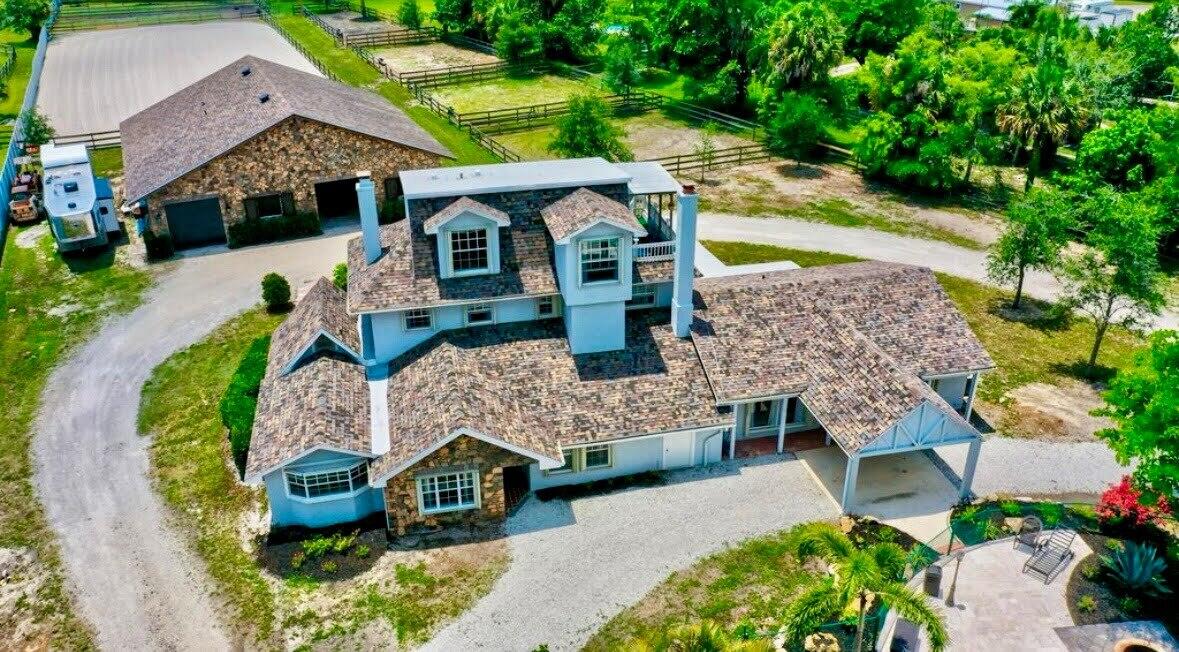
1037, 230
409, 14
587, 131
797, 126
856, 576
1148, 43
980, 73
713, 39
1143, 402
24, 15
621, 72
1117, 280
804, 43
1122, 153
1044, 108
878, 25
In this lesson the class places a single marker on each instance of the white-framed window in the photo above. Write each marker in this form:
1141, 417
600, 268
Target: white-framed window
763, 414
598, 457
480, 314
321, 483
448, 492
642, 296
599, 260
546, 307
418, 319
468, 251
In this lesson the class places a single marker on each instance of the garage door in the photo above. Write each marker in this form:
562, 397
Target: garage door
195, 223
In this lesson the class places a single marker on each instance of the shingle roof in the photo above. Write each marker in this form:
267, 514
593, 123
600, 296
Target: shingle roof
212, 116
323, 403
458, 207
322, 309
583, 208
406, 275
852, 340
521, 383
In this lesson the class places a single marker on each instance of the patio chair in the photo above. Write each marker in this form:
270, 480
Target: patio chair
1029, 533
1052, 555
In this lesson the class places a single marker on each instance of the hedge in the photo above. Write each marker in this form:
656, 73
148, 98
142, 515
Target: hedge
295, 225
241, 400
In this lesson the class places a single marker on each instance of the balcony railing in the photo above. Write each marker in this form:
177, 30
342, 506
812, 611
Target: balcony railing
652, 251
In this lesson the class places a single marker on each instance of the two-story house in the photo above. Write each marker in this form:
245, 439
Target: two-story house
530, 325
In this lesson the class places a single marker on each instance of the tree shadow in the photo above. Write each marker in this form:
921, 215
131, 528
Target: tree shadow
1099, 374
1040, 315
800, 170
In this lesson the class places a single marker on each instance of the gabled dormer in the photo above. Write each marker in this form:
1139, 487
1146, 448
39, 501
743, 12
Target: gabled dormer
467, 238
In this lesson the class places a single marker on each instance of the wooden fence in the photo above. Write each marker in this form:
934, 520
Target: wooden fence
526, 117
95, 140
80, 17
9, 62
716, 160
393, 36
320, 65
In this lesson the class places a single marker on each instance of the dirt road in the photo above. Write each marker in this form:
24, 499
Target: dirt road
133, 578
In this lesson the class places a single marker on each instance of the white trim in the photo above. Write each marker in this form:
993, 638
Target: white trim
553, 300
544, 462
581, 282
955, 374
331, 467
476, 481
286, 369
378, 398
475, 306
405, 319
474, 212
491, 239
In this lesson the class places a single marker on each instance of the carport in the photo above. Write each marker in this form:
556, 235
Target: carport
195, 222
337, 199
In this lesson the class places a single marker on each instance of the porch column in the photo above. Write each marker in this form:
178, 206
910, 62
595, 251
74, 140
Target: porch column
849, 482
968, 471
738, 419
970, 399
782, 425
732, 443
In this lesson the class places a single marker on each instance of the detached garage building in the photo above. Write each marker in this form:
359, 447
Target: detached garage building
260, 141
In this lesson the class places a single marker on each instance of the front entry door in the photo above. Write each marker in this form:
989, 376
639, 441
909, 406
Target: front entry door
677, 449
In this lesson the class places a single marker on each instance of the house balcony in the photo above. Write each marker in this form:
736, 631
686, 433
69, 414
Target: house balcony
654, 251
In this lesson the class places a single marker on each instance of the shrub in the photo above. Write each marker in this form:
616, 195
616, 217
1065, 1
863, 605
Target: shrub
994, 530
36, 128
1138, 568
276, 292
240, 400
745, 631
587, 131
409, 14
1090, 571
1050, 513
1087, 603
340, 276
319, 545
968, 514
159, 247
1129, 605
328, 566
297, 559
391, 211
1010, 508
270, 229
363, 551
1122, 504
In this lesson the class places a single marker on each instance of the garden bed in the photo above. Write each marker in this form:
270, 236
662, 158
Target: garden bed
430, 56
508, 92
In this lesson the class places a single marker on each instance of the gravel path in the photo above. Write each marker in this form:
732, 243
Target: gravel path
94, 80
878, 245
134, 580
578, 564
1026, 467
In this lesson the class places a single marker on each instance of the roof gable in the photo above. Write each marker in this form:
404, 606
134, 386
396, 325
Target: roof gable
320, 314
198, 123
583, 209
465, 206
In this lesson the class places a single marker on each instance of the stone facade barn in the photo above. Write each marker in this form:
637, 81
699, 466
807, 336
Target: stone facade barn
258, 148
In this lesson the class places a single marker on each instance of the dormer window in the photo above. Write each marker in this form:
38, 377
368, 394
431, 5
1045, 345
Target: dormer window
599, 260
469, 252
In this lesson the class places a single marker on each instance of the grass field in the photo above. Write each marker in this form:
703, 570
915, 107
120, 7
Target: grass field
107, 161
1047, 350
428, 56
507, 92
356, 71
21, 70
50, 306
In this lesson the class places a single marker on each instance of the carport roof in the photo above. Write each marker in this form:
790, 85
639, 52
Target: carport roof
197, 124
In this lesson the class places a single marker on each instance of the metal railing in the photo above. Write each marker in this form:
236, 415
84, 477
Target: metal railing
653, 251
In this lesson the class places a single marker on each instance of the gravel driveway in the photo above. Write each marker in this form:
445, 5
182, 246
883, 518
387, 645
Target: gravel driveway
1025, 467
134, 580
575, 565
878, 245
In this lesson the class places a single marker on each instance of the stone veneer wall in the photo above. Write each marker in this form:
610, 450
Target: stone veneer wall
522, 206
291, 156
401, 496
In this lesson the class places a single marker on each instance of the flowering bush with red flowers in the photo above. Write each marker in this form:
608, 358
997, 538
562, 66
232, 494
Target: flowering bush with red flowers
1122, 503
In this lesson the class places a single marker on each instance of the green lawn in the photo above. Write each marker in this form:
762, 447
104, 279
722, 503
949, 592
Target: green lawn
356, 71
391, 7
49, 306
1050, 350
507, 92
188, 453
107, 161
751, 582
21, 70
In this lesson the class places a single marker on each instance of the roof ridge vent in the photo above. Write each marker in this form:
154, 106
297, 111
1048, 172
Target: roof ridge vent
264, 98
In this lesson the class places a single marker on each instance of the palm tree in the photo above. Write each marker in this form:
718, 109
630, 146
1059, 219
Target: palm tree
855, 578
704, 636
1044, 107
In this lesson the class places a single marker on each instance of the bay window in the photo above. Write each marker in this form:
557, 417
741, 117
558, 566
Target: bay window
319, 483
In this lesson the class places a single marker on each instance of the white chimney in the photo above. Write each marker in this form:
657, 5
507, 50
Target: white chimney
685, 260
366, 197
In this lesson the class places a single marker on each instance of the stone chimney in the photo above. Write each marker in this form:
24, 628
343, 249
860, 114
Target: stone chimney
366, 196
685, 260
